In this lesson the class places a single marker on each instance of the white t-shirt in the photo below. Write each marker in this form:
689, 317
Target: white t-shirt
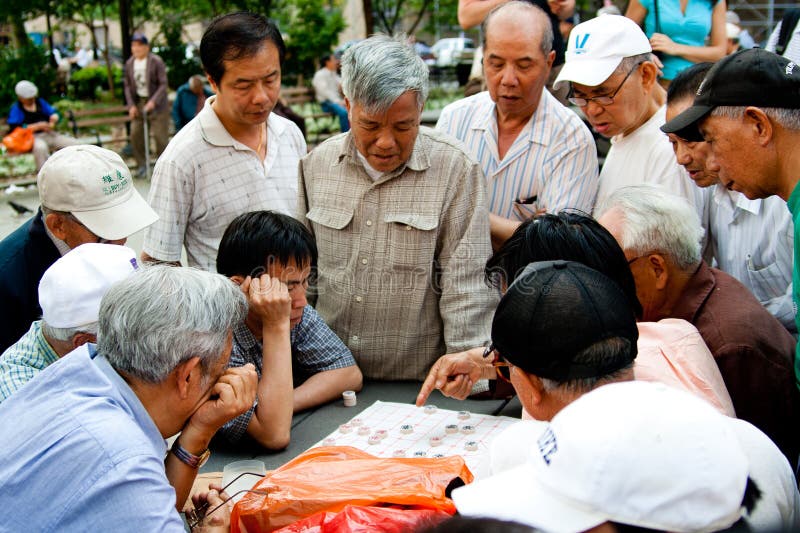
646, 156
140, 77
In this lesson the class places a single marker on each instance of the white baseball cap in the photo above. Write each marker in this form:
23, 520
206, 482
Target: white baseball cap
635, 453
26, 89
95, 185
596, 48
71, 289
732, 30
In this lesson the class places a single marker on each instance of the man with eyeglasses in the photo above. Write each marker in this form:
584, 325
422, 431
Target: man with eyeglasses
614, 81
87, 195
536, 154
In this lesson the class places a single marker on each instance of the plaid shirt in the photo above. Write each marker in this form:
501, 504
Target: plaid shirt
315, 348
23, 360
400, 273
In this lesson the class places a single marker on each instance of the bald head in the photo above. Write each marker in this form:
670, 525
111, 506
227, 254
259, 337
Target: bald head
523, 15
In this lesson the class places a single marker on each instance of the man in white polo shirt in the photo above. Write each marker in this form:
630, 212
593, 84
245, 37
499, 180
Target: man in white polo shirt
236, 156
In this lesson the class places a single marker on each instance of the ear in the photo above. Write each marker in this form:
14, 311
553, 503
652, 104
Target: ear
532, 391
185, 374
55, 223
79, 339
649, 74
237, 279
758, 121
658, 266
550, 58
213, 85
347, 104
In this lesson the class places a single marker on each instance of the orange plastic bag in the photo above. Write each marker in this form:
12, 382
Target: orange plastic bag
360, 519
19, 141
332, 477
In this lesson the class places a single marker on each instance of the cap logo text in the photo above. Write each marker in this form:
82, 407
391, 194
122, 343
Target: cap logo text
790, 68
547, 444
580, 43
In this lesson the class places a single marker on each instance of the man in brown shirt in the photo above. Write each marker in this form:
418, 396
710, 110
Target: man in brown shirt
400, 220
660, 234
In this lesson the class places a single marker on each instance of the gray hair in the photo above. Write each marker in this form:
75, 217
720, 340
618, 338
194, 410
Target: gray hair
657, 221
196, 80
547, 28
378, 70
161, 316
786, 118
605, 351
66, 334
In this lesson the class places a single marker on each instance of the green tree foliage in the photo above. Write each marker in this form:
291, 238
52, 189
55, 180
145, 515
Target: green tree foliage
179, 67
24, 63
310, 28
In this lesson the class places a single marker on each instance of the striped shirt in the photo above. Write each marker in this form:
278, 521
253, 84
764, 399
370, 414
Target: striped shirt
400, 272
752, 240
551, 165
206, 178
23, 360
315, 348
792, 50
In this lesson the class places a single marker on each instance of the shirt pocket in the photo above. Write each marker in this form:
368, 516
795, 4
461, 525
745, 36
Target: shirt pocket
767, 283
332, 236
411, 241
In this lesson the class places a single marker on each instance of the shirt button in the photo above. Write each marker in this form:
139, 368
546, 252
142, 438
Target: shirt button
369, 222
364, 261
355, 338
359, 298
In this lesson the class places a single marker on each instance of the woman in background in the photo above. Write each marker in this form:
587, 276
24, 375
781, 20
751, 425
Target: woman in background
678, 29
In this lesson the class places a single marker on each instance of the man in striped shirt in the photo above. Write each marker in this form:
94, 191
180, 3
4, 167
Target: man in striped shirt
536, 154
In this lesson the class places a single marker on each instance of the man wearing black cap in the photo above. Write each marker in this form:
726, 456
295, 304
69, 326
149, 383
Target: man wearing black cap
584, 329
563, 330
145, 82
748, 111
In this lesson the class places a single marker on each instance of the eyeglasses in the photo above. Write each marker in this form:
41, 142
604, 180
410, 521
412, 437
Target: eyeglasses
601, 100
502, 368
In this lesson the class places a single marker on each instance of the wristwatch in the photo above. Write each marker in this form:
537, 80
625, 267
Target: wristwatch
190, 459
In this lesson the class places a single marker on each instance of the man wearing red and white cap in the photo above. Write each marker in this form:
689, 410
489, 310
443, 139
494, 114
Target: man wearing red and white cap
87, 195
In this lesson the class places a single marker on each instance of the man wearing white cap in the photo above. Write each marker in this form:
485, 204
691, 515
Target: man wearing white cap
634, 454
69, 293
87, 195
614, 81
40, 117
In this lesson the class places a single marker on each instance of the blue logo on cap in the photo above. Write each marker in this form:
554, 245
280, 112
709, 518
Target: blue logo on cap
580, 43
547, 444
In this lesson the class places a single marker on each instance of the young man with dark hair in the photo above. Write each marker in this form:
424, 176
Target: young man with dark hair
301, 349
237, 156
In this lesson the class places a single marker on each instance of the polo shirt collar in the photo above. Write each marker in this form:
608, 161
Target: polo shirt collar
215, 133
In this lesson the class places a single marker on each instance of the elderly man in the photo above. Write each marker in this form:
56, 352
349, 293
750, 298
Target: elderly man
537, 155
670, 351
145, 85
36, 114
328, 90
749, 114
400, 221
751, 240
614, 81
69, 293
87, 195
190, 98
286, 343
89, 430
660, 235
237, 156
553, 368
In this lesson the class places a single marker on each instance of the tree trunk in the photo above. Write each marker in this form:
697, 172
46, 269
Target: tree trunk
18, 28
369, 22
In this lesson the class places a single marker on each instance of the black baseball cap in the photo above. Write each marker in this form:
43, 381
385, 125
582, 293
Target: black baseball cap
139, 37
751, 77
555, 310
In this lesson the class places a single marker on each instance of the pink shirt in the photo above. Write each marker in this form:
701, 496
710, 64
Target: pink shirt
671, 351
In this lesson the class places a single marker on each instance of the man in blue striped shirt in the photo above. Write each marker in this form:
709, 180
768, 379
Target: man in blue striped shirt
536, 154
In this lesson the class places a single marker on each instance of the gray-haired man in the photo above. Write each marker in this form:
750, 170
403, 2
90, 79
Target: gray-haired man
400, 219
